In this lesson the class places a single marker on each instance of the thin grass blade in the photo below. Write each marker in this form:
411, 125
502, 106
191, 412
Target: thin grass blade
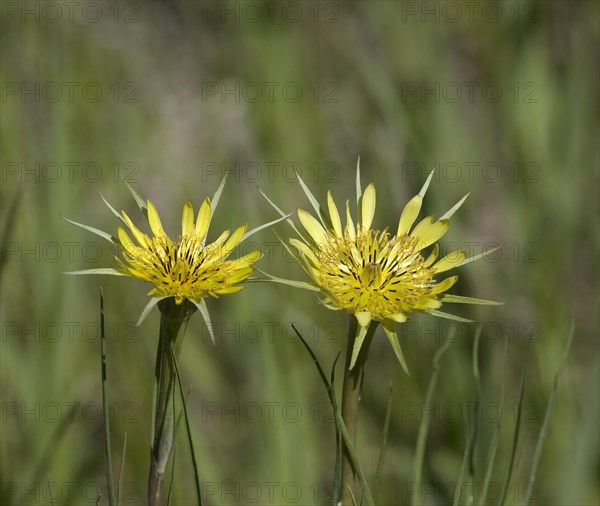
105, 407
548, 415
513, 452
424, 425
187, 425
121, 471
381, 461
339, 422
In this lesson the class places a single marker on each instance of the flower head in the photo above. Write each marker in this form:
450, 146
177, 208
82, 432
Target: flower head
186, 267
376, 275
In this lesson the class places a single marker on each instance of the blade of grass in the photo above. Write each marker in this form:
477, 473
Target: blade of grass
339, 421
494, 443
187, 426
105, 417
513, 452
337, 472
549, 409
386, 426
424, 426
121, 472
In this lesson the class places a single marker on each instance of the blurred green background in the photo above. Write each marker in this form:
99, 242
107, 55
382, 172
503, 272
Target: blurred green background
503, 97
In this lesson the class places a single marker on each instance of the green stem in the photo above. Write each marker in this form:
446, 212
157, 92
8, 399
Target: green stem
351, 390
172, 318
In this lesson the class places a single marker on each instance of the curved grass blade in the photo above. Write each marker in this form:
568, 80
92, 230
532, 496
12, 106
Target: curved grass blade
513, 452
386, 426
549, 409
468, 463
187, 425
337, 472
494, 443
424, 426
339, 422
121, 472
105, 417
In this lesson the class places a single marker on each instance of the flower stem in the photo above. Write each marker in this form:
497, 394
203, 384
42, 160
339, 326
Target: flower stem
351, 391
172, 318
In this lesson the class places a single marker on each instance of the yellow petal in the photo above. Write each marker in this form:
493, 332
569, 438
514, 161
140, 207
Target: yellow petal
126, 241
187, 220
233, 241
304, 249
368, 207
449, 261
409, 215
349, 223
203, 220
154, 221
442, 286
248, 259
428, 304
428, 232
334, 215
433, 255
221, 239
139, 236
312, 226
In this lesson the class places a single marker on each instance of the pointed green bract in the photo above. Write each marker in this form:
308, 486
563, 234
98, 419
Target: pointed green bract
455, 208
390, 332
146, 311
441, 314
201, 305
477, 257
423, 190
262, 227
289, 282
459, 299
217, 195
112, 209
101, 271
313, 201
138, 199
93, 230
361, 333
358, 187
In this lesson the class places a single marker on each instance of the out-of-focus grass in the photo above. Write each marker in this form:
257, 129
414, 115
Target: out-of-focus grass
545, 216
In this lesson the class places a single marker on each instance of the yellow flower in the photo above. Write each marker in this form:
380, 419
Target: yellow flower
375, 275
188, 268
